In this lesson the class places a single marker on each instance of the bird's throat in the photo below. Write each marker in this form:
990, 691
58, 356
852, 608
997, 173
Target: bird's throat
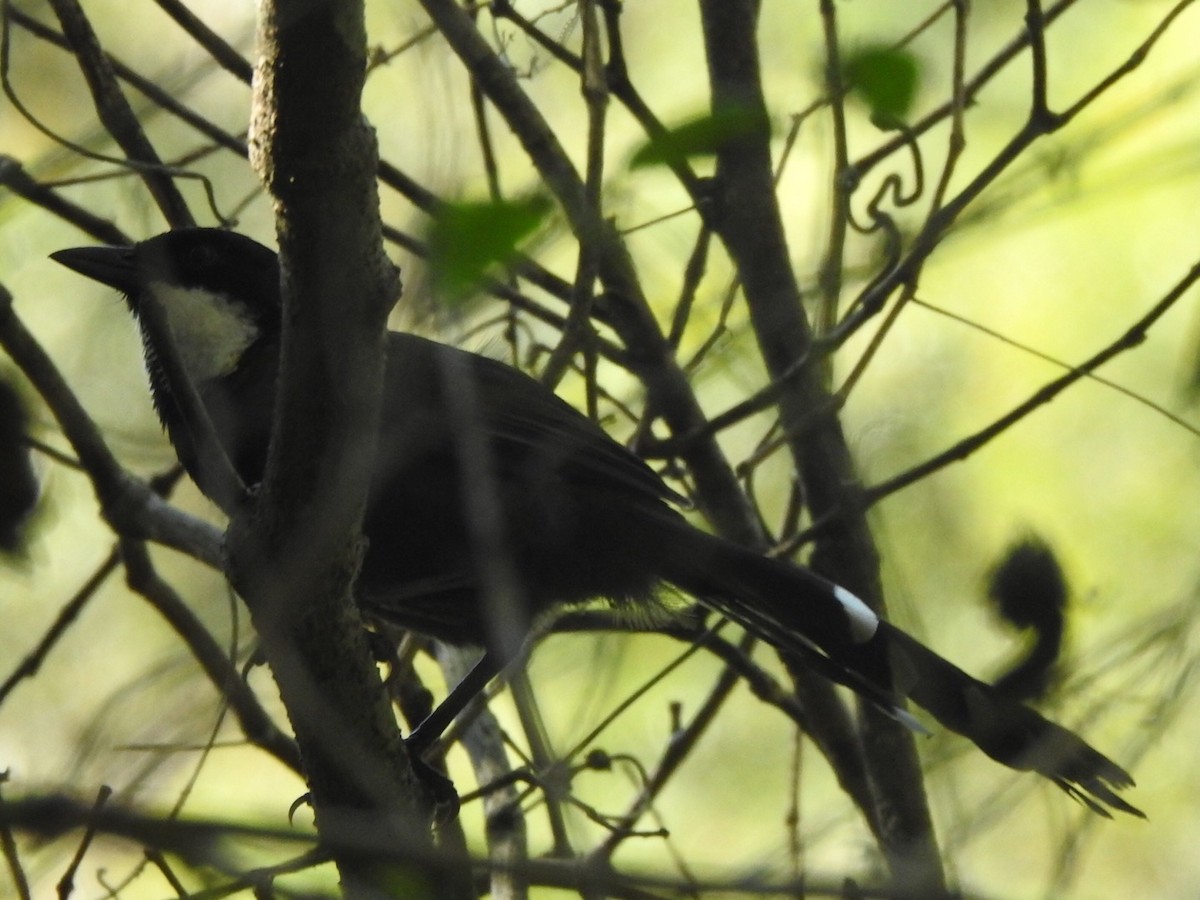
210, 332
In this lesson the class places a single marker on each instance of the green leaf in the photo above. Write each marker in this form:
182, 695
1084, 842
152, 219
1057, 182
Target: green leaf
702, 136
467, 238
886, 80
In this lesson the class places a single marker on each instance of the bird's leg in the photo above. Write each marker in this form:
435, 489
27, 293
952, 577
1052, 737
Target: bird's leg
439, 720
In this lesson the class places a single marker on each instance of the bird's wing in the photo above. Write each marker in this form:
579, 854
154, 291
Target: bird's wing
526, 422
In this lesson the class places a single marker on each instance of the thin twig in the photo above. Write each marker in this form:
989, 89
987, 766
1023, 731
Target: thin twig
1131, 338
1040, 123
116, 114
1055, 361
833, 262
66, 884
8, 846
33, 660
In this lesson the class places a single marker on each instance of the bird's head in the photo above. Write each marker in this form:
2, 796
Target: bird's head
219, 291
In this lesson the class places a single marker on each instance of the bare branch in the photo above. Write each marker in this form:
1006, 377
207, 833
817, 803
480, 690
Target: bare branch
1131, 338
116, 113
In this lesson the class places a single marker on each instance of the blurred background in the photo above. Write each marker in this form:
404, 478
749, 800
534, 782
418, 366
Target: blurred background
1056, 259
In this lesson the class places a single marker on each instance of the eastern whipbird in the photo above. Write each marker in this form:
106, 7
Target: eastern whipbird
579, 516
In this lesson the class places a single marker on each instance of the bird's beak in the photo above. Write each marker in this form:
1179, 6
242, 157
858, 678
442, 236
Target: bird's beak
114, 266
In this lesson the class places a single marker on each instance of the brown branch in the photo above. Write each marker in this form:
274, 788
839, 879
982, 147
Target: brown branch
579, 329
116, 114
833, 262
214, 45
294, 548
205, 842
751, 226
12, 855
14, 177
66, 884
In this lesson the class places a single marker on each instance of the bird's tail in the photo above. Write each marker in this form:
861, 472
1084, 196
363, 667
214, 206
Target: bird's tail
799, 612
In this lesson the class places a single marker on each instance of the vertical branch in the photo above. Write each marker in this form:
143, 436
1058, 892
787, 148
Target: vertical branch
958, 141
487, 149
294, 549
829, 279
751, 226
578, 329
595, 95
1035, 23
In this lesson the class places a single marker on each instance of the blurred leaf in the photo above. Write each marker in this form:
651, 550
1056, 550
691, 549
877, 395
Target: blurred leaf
466, 239
1028, 585
886, 80
703, 136
1030, 591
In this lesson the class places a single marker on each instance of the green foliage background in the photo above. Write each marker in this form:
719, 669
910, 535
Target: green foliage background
1061, 254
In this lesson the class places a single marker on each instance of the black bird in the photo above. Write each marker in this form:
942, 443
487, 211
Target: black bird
580, 517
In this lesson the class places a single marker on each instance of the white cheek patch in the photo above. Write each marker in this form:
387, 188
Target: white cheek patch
863, 622
210, 331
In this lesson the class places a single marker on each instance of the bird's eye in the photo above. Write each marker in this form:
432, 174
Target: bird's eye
201, 256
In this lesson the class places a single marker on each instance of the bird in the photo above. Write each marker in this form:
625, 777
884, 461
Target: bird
580, 517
